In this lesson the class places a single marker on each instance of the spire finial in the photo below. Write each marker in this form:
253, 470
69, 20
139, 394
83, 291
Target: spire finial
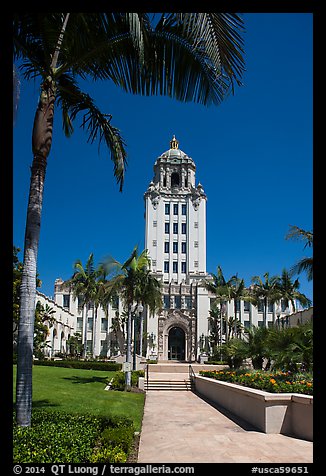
174, 144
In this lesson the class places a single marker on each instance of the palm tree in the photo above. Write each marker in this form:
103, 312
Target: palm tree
226, 291
117, 328
292, 348
16, 92
266, 290
238, 292
136, 285
288, 291
221, 288
187, 56
305, 264
44, 318
83, 285
257, 345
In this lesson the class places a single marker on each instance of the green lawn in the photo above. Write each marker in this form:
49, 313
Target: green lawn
82, 391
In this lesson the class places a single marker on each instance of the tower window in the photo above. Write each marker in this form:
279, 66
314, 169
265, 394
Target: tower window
175, 209
183, 228
175, 247
177, 302
167, 209
66, 300
184, 209
175, 228
167, 227
166, 267
183, 267
175, 179
183, 247
166, 247
175, 266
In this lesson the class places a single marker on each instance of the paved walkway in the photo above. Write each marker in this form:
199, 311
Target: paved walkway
181, 427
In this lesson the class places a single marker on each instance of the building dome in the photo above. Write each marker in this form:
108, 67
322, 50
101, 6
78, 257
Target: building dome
174, 152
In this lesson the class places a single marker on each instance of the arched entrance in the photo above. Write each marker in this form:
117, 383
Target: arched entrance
176, 344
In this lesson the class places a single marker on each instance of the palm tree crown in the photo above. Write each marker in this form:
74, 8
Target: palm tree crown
305, 264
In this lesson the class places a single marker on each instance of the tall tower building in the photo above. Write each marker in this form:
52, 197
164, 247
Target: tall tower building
175, 236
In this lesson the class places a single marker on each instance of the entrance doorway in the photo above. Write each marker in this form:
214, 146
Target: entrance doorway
176, 344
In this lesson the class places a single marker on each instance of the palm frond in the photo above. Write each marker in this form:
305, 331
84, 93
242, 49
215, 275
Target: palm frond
304, 265
97, 124
174, 65
296, 233
217, 34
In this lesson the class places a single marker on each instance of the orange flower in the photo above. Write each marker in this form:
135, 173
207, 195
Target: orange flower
273, 381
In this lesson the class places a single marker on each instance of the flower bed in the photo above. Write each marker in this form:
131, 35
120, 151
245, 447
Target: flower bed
275, 382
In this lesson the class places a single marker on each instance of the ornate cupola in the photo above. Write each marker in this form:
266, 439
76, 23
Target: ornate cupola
174, 170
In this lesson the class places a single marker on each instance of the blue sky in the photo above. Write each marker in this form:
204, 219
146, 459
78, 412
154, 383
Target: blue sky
253, 155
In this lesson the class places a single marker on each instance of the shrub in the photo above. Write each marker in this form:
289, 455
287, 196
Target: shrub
108, 455
59, 437
115, 441
120, 436
56, 437
234, 352
118, 381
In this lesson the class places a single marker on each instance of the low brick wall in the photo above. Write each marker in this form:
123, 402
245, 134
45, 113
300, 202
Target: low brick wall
287, 413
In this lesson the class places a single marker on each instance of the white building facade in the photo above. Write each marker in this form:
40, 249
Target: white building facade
60, 329
175, 237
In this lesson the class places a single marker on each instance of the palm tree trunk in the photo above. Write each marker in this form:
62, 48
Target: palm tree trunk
41, 144
240, 317
128, 356
235, 318
96, 334
265, 311
85, 331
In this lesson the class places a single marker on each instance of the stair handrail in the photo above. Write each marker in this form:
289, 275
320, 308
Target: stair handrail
192, 376
147, 375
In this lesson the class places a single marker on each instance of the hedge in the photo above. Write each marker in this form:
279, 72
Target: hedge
80, 364
60, 437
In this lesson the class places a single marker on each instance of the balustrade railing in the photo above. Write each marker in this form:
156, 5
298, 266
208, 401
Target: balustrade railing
147, 375
192, 376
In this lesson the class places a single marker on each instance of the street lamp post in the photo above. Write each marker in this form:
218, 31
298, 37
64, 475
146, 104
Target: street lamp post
128, 353
140, 310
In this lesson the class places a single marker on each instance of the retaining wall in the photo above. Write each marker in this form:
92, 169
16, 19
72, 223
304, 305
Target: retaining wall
287, 413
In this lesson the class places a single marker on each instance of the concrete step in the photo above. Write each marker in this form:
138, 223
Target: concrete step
181, 367
164, 384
